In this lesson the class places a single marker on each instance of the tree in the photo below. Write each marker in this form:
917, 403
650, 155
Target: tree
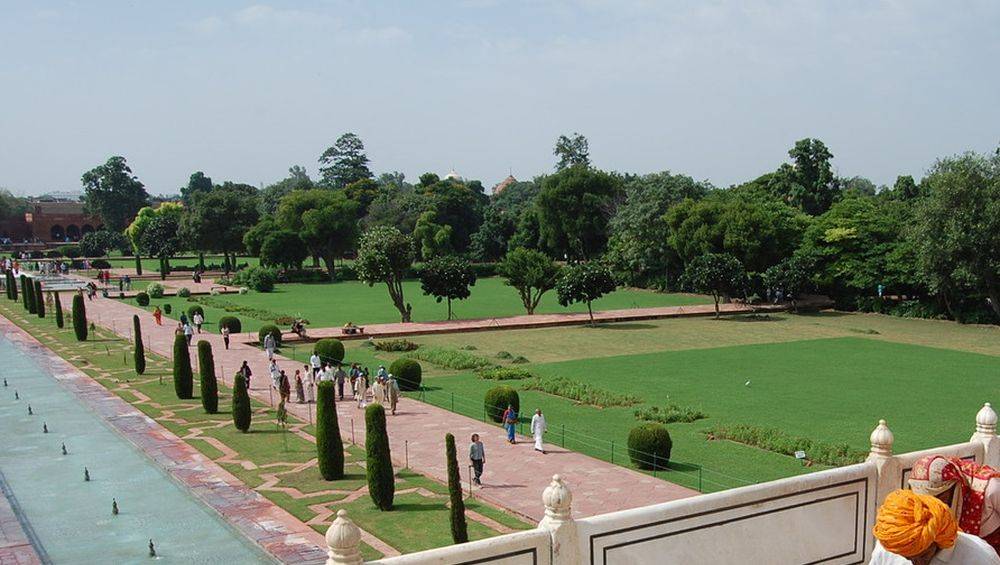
331, 231
139, 351
574, 207
12, 206
490, 242
183, 378
378, 461
363, 192
457, 204
155, 233
197, 184
791, 276
59, 311
585, 282
99, 243
79, 318
345, 162
808, 183
28, 289
385, 256
957, 227
254, 238
242, 412
206, 371
113, 193
905, 188
459, 529
572, 151
271, 195
329, 445
12, 286
531, 273
399, 208
434, 239
217, 219
39, 299
718, 274
283, 248
448, 278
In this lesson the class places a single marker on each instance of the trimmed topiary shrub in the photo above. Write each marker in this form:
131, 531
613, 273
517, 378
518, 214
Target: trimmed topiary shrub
241, 404
139, 352
408, 373
167, 308
329, 446
330, 350
206, 370
183, 292
649, 446
79, 318
39, 299
142, 299
459, 529
497, 400
183, 379
28, 289
231, 322
155, 290
59, 313
381, 482
272, 329
394, 345
193, 309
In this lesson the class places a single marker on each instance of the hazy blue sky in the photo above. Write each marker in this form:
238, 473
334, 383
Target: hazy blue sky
716, 90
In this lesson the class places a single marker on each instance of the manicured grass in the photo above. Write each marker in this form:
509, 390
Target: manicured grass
153, 265
332, 305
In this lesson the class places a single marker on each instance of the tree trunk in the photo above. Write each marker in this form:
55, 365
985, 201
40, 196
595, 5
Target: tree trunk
331, 265
716, 297
591, 312
449, 309
396, 293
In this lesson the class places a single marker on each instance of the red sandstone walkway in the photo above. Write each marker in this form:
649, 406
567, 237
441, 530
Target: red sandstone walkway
515, 475
15, 545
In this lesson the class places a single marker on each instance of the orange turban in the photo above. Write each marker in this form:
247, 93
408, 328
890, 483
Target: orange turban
908, 523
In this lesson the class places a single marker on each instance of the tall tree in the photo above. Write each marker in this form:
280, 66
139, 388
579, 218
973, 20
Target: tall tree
329, 445
385, 256
113, 193
271, 195
345, 162
209, 386
718, 274
585, 282
139, 350
447, 278
816, 187
378, 461
160, 239
574, 207
572, 151
457, 205
331, 231
183, 377
456, 508
217, 219
79, 318
531, 273
197, 184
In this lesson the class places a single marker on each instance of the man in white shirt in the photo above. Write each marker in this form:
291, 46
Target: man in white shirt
316, 363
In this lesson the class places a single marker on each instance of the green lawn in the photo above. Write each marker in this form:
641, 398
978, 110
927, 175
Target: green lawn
153, 265
332, 305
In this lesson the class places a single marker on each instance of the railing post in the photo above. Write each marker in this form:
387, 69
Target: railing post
558, 521
343, 539
986, 433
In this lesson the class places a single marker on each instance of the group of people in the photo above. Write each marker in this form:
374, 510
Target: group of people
509, 419
950, 514
186, 327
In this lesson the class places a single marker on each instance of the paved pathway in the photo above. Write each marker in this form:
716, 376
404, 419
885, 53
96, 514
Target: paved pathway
15, 544
271, 527
515, 474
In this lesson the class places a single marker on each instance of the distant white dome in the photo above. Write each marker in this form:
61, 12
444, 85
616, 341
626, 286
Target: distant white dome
453, 176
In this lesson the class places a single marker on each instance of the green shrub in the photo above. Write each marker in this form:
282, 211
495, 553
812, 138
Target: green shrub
59, 312
183, 378
580, 392
498, 398
272, 329
649, 446
378, 460
519, 360
255, 313
241, 404
777, 441
503, 373
329, 349
139, 351
504, 355
468, 348
209, 385
155, 290
79, 318
449, 358
39, 299
28, 288
142, 299
69, 251
195, 309
669, 414
183, 292
261, 279
167, 308
395, 345
459, 529
329, 445
231, 322
408, 373
25, 295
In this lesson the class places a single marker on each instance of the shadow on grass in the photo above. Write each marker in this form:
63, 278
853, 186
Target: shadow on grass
754, 318
418, 507
623, 326
682, 467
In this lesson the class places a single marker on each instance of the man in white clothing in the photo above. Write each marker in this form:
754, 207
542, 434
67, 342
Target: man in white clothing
538, 428
316, 363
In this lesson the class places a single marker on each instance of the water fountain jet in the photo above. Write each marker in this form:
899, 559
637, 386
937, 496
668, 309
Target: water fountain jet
152, 549
114, 507
45, 427
64, 449
86, 475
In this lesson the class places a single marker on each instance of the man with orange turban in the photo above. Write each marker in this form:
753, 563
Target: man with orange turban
919, 529
971, 490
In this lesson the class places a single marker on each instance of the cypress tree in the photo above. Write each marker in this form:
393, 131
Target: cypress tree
381, 483
13, 287
8, 279
29, 294
183, 379
26, 295
209, 386
329, 446
140, 351
39, 299
241, 404
138, 265
59, 313
79, 318
459, 530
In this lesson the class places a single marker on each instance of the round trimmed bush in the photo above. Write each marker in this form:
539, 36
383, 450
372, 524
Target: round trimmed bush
497, 400
155, 290
167, 308
183, 292
270, 329
407, 372
231, 322
195, 309
649, 446
142, 299
329, 349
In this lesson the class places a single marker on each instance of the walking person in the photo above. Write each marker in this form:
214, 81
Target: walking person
158, 315
225, 336
300, 395
340, 376
361, 390
188, 333
477, 456
246, 373
275, 374
310, 384
316, 363
538, 428
392, 389
198, 320
509, 419
269, 346
284, 387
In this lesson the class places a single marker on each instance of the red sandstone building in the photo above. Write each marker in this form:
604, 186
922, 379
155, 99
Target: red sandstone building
50, 221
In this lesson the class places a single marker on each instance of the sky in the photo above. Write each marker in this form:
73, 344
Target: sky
716, 90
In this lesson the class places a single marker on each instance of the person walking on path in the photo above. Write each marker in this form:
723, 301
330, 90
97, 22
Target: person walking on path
300, 395
392, 389
246, 373
269, 346
158, 315
183, 319
198, 320
538, 428
340, 376
275, 374
477, 455
509, 422
316, 363
310, 385
188, 333
284, 387
361, 390
225, 336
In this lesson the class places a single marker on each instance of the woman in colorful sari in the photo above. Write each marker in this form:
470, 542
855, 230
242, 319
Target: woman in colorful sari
509, 421
972, 491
